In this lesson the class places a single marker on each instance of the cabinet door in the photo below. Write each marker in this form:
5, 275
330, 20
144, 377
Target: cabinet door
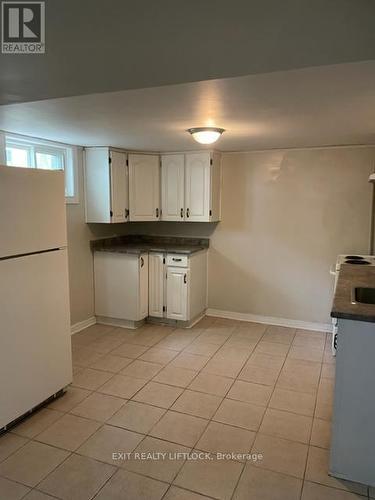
155, 284
197, 187
97, 185
117, 285
172, 187
143, 286
177, 293
144, 187
119, 187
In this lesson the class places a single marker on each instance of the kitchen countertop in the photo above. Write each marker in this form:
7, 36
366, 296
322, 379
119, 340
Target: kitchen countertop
137, 244
351, 276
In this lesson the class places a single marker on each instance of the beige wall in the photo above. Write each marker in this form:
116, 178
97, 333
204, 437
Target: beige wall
286, 215
80, 260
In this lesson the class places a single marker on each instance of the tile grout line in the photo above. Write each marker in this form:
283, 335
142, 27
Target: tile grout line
96, 391
180, 352
147, 434
315, 406
208, 420
219, 347
226, 343
233, 381
104, 423
211, 419
260, 424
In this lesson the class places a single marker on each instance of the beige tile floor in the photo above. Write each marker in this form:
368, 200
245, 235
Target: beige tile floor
224, 386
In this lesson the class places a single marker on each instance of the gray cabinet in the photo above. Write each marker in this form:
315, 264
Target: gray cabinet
353, 426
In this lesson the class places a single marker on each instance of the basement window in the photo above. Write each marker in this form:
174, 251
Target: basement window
34, 153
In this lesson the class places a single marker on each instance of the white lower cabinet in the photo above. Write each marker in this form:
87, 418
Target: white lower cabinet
121, 286
130, 287
177, 285
177, 293
156, 277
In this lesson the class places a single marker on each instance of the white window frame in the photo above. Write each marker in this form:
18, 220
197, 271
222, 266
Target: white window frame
69, 157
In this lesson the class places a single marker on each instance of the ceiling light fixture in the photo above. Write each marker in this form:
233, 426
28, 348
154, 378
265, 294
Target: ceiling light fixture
206, 135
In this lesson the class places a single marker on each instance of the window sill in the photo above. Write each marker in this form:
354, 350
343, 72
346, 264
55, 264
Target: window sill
72, 200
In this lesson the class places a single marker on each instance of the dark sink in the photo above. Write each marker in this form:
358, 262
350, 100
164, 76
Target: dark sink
365, 295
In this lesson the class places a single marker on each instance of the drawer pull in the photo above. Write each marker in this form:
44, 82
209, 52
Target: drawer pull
176, 260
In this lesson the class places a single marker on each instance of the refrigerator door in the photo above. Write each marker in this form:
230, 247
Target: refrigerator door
32, 210
35, 351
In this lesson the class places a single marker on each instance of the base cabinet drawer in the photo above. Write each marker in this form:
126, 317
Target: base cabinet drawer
177, 260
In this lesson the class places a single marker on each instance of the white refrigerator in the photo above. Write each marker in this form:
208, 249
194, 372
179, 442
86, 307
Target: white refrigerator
35, 349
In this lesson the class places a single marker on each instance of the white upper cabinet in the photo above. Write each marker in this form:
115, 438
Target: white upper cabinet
172, 187
191, 187
123, 187
197, 187
119, 187
202, 187
106, 181
144, 187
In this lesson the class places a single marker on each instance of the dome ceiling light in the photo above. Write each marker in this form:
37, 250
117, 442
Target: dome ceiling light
206, 135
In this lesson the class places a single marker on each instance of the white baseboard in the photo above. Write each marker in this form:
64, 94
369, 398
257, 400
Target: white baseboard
121, 323
269, 320
77, 327
254, 318
197, 319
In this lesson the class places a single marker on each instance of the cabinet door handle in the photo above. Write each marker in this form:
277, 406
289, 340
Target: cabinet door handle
157, 213
142, 262
182, 213
177, 260
188, 212
126, 213
185, 278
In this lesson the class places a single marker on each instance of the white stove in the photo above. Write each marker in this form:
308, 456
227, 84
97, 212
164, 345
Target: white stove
353, 260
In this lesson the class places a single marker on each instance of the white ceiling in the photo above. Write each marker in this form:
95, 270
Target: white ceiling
327, 105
